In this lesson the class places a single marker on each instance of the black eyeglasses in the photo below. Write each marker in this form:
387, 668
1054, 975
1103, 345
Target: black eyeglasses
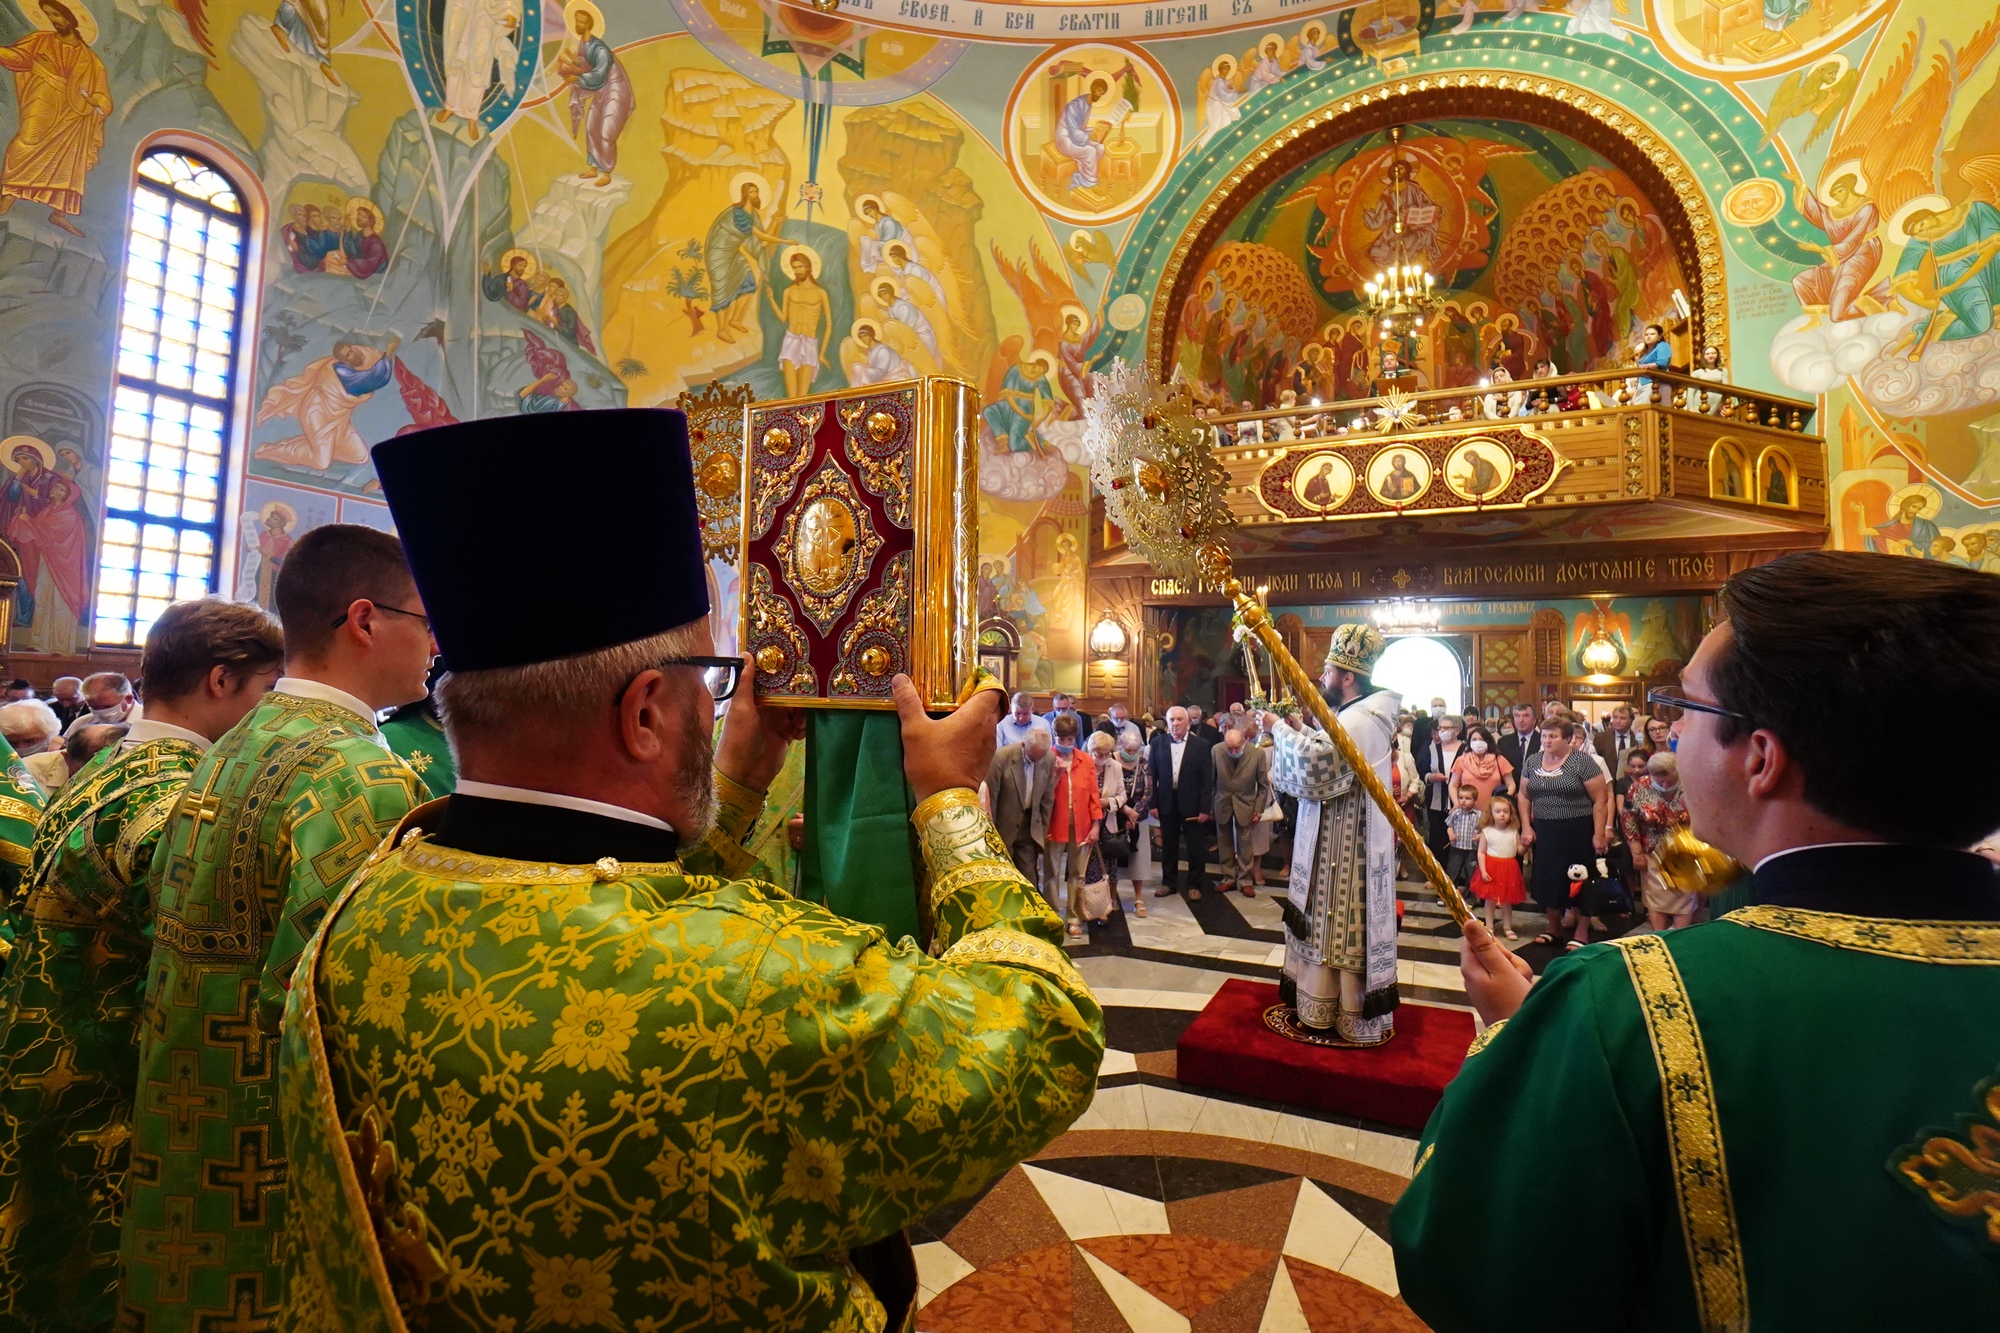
1670, 696
341, 619
720, 674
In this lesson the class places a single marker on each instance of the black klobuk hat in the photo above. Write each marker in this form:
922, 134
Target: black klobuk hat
549, 535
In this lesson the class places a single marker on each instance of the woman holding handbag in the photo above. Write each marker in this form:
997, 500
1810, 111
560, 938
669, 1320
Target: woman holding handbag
1124, 840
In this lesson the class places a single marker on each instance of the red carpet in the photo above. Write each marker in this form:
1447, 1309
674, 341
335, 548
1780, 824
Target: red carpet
1398, 1083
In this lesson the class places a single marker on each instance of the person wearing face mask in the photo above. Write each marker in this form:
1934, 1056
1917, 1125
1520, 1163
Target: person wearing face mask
1482, 768
1130, 760
1438, 757
1426, 726
1075, 818
1654, 808
111, 702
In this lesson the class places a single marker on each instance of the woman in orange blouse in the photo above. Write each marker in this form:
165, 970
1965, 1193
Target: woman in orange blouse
1482, 768
1074, 819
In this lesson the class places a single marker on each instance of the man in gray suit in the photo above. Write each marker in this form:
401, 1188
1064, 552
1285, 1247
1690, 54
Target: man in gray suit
1242, 790
1021, 789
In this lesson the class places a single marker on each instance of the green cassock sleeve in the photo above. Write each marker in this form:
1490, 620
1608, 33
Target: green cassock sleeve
1518, 1170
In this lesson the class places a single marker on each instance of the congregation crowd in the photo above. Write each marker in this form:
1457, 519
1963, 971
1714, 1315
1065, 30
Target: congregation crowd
1080, 801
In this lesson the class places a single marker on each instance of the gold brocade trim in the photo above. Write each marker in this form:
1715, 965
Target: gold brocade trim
737, 807
13, 809
979, 872
1430, 1148
1014, 949
15, 854
1484, 1039
1965, 943
1957, 1171
1694, 1136
473, 868
929, 808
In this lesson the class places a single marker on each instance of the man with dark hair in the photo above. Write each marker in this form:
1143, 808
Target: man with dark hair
17, 689
71, 997
276, 818
1788, 1114
672, 1097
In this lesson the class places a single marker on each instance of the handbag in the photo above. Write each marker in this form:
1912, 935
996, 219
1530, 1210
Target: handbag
1096, 899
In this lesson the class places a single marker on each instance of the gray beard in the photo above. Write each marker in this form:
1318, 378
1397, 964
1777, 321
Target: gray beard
696, 788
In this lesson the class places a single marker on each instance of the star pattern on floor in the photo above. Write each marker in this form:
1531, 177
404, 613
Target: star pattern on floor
1162, 1243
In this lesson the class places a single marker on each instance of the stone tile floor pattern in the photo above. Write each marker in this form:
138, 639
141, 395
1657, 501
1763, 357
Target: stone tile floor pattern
1171, 1207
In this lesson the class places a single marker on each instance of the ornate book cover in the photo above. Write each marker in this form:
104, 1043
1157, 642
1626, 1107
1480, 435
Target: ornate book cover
859, 540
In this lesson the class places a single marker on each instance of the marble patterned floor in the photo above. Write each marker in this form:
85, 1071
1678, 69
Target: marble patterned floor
1173, 1207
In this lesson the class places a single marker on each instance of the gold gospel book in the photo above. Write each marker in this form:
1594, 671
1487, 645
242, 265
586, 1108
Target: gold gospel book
859, 532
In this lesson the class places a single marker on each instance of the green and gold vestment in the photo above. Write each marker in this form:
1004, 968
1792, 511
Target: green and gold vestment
21, 802
1783, 1120
69, 1036
420, 742
273, 823
650, 1097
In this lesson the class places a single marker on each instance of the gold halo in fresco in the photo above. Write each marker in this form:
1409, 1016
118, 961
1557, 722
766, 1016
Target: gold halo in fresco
1092, 129
1752, 203
1323, 481
1398, 476
1478, 470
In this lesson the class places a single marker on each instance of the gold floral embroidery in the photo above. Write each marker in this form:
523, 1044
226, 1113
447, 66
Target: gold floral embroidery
594, 1030
1694, 1136
813, 1172
1973, 943
1958, 1171
573, 1292
978, 873
386, 992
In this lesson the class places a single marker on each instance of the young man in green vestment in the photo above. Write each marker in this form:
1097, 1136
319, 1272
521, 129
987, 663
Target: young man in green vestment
552, 1062
1788, 1118
70, 1001
414, 733
274, 821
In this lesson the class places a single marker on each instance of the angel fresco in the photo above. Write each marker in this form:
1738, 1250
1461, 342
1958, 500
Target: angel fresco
895, 305
1822, 92
1058, 324
1024, 403
64, 96
1220, 96
868, 360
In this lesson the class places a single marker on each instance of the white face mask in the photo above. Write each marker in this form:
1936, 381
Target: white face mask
1478, 746
1446, 737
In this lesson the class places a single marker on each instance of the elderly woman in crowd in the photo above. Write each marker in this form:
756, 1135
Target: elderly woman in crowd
1566, 818
35, 732
1121, 792
1655, 809
1073, 819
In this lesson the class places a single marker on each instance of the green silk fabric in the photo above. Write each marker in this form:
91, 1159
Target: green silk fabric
1830, 1063
626, 1096
70, 1007
275, 820
419, 741
858, 857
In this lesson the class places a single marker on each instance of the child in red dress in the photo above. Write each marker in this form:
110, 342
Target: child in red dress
1499, 878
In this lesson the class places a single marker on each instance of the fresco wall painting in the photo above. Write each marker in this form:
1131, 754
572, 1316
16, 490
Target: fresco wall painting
527, 206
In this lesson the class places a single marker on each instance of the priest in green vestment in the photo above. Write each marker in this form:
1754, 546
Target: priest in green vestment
70, 1000
274, 821
1788, 1118
553, 1060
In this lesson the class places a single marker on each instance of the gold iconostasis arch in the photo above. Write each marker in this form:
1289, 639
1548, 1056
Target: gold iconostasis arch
1618, 166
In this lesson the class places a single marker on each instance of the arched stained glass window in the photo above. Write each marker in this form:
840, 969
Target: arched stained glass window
179, 353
